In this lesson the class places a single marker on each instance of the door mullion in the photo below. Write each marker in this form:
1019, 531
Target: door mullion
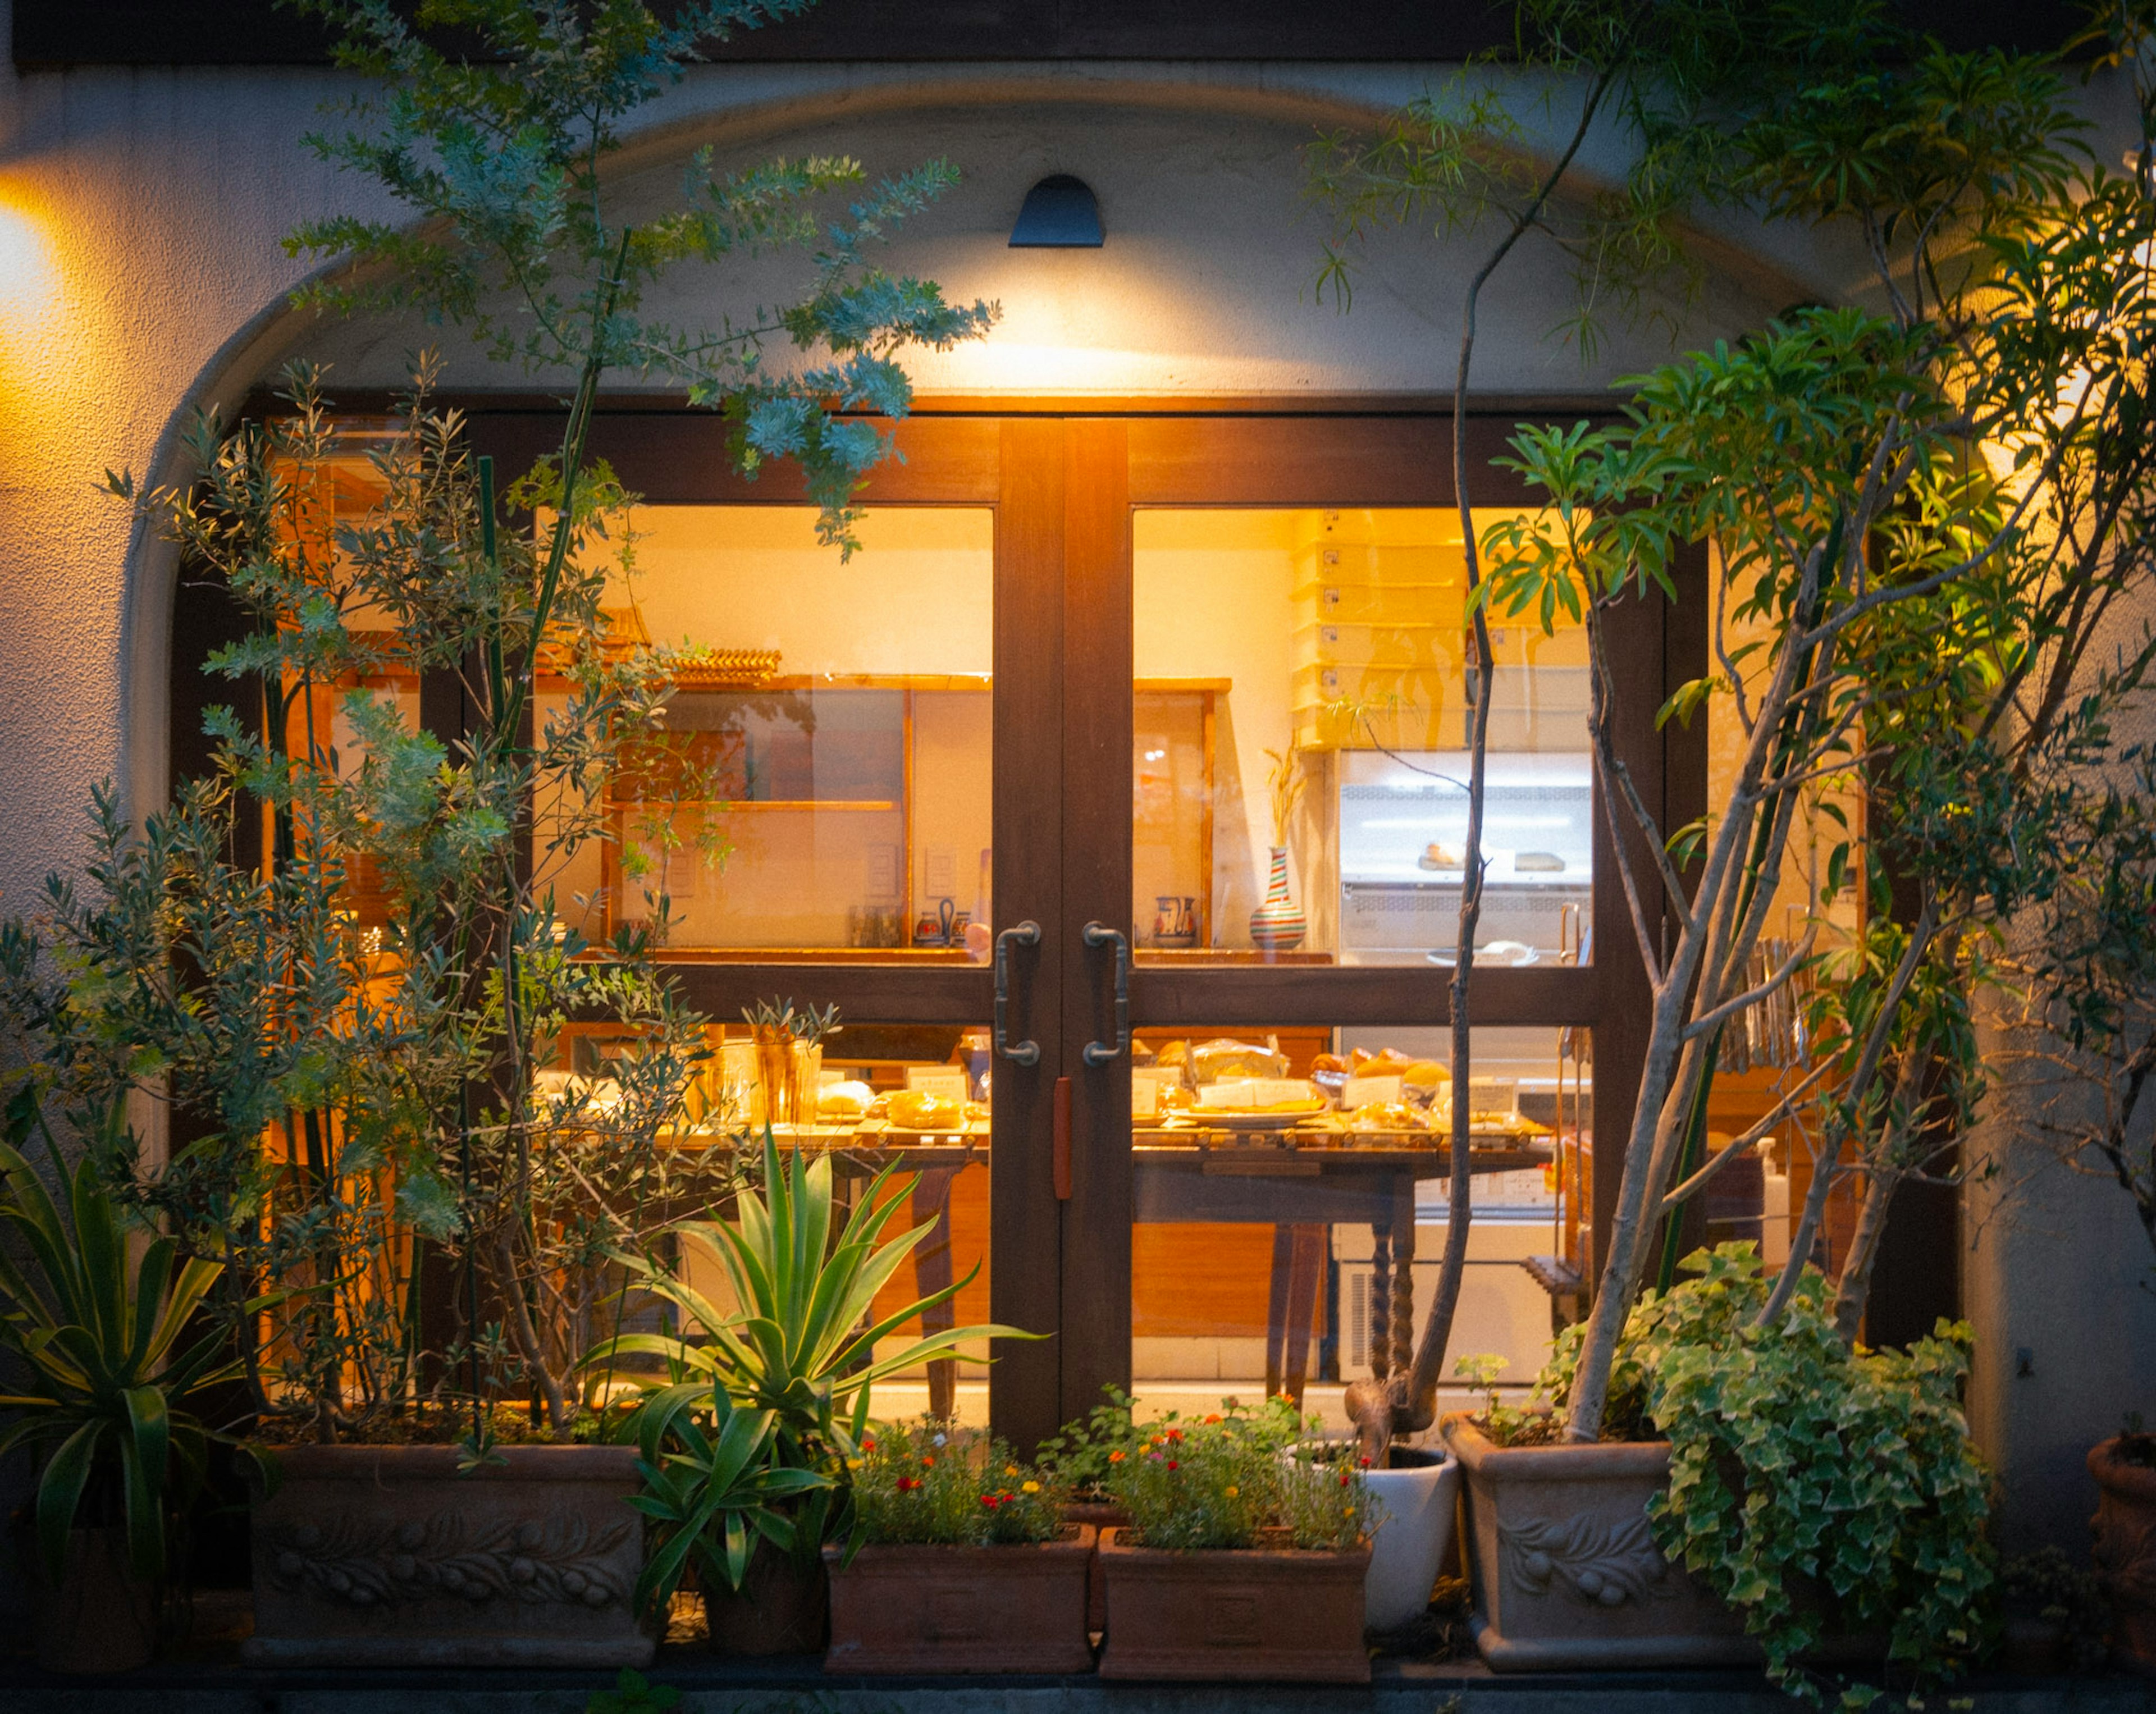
1097, 715
1025, 1280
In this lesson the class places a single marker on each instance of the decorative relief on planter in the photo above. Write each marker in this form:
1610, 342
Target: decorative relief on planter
1601, 1561
368, 1561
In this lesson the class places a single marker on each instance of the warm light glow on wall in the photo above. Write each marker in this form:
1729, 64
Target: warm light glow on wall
29, 273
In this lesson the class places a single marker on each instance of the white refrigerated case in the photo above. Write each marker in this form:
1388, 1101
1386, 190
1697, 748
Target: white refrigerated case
1403, 821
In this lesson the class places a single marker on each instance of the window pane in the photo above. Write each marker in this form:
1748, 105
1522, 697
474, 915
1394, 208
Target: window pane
1291, 1198
1299, 763
823, 781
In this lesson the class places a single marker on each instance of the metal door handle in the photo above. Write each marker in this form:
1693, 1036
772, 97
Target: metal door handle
1024, 1053
1099, 1053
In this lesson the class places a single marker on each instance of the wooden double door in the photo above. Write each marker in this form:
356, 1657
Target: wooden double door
1061, 500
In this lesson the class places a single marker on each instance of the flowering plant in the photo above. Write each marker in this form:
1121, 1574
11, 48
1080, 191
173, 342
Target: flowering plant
932, 1482
1232, 1479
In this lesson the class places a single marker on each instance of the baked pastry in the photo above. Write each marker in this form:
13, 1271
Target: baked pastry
1385, 1115
1218, 1061
849, 1100
919, 1110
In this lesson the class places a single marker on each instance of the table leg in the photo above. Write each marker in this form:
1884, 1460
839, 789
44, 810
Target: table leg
932, 1272
1404, 1254
1277, 1313
1381, 1301
1307, 1263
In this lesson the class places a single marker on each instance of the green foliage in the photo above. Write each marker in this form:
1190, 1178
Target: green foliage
799, 1358
1080, 1455
1230, 1480
804, 1342
1819, 1491
714, 1488
498, 159
934, 1482
2047, 1587
1504, 1423
102, 1381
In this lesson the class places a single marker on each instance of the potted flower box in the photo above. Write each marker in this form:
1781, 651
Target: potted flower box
1239, 1563
1566, 1573
379, 1556
966, 1565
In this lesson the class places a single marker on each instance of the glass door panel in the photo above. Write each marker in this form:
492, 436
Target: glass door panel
821, 784
1303, 684
1295, 1249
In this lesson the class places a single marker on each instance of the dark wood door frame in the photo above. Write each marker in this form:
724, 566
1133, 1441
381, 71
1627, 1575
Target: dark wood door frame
1064, 487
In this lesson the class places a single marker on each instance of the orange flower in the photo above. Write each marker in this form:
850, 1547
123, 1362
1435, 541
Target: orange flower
1114, 1458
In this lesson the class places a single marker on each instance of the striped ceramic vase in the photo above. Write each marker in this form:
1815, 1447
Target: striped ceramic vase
1278, 925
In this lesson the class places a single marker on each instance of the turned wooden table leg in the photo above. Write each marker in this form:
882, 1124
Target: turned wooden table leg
1381, 1301
1403, 1255
1276, 1310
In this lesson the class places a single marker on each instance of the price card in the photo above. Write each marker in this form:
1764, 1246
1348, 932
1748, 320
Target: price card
948, 1081
1361, 1091
1147, 1084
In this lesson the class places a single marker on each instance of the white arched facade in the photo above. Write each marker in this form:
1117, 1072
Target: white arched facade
142, 278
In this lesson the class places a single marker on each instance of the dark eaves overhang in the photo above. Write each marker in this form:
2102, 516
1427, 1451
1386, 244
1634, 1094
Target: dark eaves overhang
57, 34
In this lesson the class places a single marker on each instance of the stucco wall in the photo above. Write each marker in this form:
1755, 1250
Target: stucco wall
141, 275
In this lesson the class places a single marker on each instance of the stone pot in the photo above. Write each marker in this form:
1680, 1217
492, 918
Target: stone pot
1417, 1496
1567, 1575
101, 1617
381, 1555
907, 1608
1279, 1615
2125, 1530
780, 1608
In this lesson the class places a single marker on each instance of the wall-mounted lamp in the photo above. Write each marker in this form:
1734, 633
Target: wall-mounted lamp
1060, 214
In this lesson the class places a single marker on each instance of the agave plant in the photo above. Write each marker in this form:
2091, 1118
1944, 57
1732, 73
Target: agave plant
801, 1350
102, 1401
802, 1344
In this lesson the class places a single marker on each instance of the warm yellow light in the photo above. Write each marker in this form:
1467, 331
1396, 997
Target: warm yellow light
29, 273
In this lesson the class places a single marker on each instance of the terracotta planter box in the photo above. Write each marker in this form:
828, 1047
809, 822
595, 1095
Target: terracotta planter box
1232, 1613
962, 1609
1567, 1575
379, 1556
2125, 1530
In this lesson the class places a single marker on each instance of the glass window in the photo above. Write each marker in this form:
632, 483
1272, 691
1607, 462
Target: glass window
1290, 1203
824, 779
1299, 762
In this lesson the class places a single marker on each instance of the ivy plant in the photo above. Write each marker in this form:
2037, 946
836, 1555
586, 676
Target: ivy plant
1822, 1490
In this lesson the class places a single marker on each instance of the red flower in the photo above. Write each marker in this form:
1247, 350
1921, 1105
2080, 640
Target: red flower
1171, 1464
1345, 1479
1175, 1433
1365, 1463
990, 1500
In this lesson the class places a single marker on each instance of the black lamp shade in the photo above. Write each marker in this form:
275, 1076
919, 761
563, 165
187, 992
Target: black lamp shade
1060, 214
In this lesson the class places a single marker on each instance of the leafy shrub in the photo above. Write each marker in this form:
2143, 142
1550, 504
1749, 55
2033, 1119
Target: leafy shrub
933, 1483
1816, 1489
1230, 1480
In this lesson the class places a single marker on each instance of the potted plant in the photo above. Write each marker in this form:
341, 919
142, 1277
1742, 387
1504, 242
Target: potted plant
103, 1387
800, 1342
1763, 1490
2053, 1618
964, 1562
1240, 1561
354, 1030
